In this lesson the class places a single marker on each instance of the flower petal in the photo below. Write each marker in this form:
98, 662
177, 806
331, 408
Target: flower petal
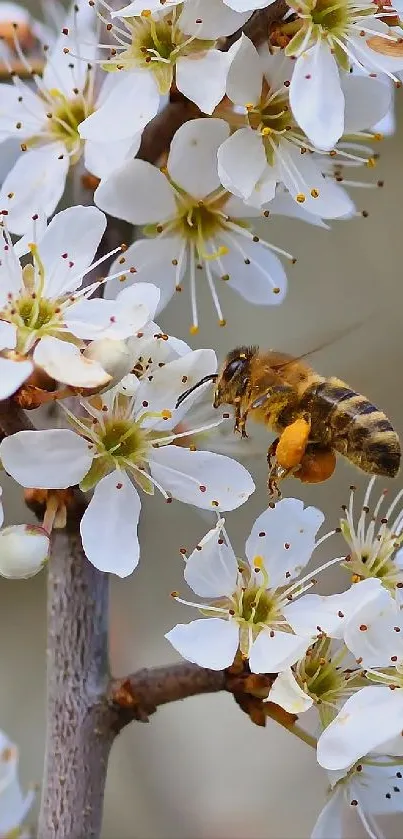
10, 281
35, 183
330, 612
316, 96
245, 76
212, 66
273, 651
374, 631
150, 260
192, 161
208, 642
24, 550
241, 162
138, 193
207, 480
284, 535
287, 693
247, 5
330, 821
68, 247
103, 158
215, 19
304, 180
369, 717
132, 100
212, 569
367, 102
12, 375
51, 459
65, 363
141, 300
260, 279
109, 525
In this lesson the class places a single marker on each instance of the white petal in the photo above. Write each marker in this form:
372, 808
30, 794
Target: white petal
98, 318
103, 158
130, 104
137, 7
262, 280
330, 820
247, 5
109, 525
264, 189
138, 193
216, 18
316, 96
182, 472
36, 182
367, 719
273, 653
30, 113
24, 550
287, 693
302, 175
283, 205
208, 642
329, 612
212, 569
192, 161
66, 71
212, 67
12, 375
374, 632
8, 335
367, 102
10, 278
241, 162
68, 247
285, 537
150, 260
139, 300
245, 76
65, 363
54, 459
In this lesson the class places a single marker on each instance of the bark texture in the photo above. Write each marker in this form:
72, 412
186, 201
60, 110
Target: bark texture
79, 733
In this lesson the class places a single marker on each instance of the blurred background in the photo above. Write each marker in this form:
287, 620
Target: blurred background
201, 769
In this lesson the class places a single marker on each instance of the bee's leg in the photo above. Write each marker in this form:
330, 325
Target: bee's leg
317, 465
271, 452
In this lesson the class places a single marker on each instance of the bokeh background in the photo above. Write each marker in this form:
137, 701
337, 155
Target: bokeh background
200, 769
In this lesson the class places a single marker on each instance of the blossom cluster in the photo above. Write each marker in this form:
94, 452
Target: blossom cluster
270, 127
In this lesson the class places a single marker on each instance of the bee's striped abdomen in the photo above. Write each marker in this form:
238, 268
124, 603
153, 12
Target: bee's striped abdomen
357, 429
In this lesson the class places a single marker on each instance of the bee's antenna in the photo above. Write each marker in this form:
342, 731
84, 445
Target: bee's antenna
211, 378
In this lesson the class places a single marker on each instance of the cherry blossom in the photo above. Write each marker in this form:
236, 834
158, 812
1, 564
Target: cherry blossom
14, 805
191, 222
126, 438
24, 550
249, 604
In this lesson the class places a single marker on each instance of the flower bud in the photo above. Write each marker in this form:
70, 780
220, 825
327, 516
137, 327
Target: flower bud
113, 355
24, 549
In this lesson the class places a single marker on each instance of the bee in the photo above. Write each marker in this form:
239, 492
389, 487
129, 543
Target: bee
315, 418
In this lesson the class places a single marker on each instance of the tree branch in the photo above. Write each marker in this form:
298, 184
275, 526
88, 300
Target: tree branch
13, 418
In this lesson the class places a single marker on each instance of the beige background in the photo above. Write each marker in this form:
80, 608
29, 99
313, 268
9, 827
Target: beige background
201, 770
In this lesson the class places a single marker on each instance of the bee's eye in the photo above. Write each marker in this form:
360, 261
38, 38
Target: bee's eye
233, 367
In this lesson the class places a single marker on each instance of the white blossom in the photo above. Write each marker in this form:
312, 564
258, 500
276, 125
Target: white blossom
44, 317
24, 549
249, 604
14, 805
128, 438
192, 223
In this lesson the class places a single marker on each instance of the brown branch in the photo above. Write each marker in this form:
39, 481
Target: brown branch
13, 418
257, 28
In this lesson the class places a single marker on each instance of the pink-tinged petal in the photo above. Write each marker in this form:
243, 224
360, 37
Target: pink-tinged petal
24, 550
208, 642
138, 193
330, 822
192, 161
212, 66
274, 651
68, 247
212, 569
261, 280
109, 525
65, 363
210, 19
12, 375
330, 612
367, 102
35, 183
241, 162
245, 76
316, 96
284, 536
304, 180
51, 459
207, 480
287, 693
150, 260
126, 109
8, 335
368, 718
103, 158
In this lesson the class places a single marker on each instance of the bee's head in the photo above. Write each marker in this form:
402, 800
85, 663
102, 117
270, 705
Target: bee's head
231, 377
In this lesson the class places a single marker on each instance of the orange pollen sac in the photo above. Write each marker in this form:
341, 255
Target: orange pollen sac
292, 444
316, 466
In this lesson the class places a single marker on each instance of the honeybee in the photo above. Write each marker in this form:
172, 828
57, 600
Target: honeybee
314, 417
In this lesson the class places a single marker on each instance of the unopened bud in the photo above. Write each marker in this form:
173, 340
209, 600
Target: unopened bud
24, 549
113, 355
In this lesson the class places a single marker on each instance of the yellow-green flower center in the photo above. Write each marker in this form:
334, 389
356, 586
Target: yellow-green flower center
330, 16
65, 119
256, 606
122, 440
34, 318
